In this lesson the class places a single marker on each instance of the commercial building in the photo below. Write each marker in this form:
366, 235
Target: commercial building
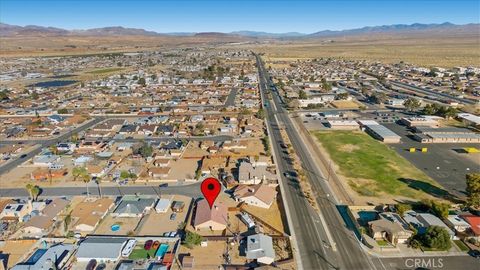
379, 132
343, 124
316, 100
445, 135
470, 119
419, 121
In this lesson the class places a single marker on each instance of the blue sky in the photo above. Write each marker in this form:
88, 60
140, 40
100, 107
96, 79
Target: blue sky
225, 16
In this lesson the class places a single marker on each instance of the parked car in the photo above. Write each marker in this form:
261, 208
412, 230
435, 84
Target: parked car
101, 266
91, 264
173, 216
155, 245
475, 253
148, 245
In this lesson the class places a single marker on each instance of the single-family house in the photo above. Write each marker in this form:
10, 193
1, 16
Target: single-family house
260, 248
133, 206
206, 218
248, 174
55, 257
40, 225
421, 221
87, 214
474, 222
458, 223
259, 195
384, 229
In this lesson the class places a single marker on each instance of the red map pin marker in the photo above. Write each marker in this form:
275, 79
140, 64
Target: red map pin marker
210, 188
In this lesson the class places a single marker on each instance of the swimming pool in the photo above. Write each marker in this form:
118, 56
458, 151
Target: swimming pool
367, 216
161, 250
115, 227
36, 256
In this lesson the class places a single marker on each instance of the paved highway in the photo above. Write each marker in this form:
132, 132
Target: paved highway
45, 144
190, 190
432, 92
324, 241
309, 236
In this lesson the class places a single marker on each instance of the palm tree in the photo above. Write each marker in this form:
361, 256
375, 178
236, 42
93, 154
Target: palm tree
86, 179
33, 191
79, 172
29, 188
67, 221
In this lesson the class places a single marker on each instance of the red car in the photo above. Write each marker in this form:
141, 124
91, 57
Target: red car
91, 264
148, 245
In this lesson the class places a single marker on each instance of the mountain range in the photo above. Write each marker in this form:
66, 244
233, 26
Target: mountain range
7, 30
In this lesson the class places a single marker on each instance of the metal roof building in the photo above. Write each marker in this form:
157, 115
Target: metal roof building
101, 248
260, 247
379, 132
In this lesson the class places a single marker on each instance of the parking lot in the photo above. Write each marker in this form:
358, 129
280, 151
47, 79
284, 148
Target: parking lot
446, 163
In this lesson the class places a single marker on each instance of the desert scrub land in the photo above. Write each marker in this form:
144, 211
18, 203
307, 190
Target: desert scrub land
428, 52
371, 168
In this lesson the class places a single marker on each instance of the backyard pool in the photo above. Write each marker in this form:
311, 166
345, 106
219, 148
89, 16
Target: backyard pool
115, 227
161, 250
367, 216
36, 256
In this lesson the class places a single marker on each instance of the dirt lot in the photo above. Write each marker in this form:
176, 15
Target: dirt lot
345, 104
126, 225
211, 256
193, 150
16, 249
254, 147
158, 223
183, 169
271, 216
18, 177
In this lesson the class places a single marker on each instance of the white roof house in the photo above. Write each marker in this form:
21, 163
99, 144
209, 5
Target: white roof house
421, 221
458, 223
100, 249
260, 247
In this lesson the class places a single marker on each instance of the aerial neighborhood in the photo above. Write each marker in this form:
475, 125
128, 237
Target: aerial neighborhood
322, 151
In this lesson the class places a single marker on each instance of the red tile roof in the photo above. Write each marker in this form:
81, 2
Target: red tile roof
474, 221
